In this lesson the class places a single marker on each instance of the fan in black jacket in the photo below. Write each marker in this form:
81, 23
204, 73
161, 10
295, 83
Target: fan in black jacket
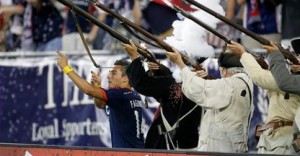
177, 109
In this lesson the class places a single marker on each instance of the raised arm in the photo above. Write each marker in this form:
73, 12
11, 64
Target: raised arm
259, 76
141, 81
81, 83
201, 91
96, 82
284, 79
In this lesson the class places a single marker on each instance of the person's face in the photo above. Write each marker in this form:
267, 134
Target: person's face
115, 78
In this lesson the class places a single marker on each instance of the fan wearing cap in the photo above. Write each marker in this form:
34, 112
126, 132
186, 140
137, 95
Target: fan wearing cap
177, 118
283, 77
295, 69
275, 136
228, 104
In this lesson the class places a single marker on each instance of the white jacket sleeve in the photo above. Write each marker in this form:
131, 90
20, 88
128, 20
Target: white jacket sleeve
212, 94
259, 76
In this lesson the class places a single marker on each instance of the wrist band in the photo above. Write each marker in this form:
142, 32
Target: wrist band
99, 86
67, 69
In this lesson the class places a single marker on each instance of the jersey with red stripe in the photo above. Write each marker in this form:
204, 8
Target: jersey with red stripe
125, 116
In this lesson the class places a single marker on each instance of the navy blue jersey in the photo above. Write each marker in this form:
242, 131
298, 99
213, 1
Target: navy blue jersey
125, 115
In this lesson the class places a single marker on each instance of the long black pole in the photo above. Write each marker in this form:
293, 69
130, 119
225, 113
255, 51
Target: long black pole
108, 29
256, 37
157, 40
260, 60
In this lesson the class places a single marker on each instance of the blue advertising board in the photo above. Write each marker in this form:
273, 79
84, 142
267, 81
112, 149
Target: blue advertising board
40, 105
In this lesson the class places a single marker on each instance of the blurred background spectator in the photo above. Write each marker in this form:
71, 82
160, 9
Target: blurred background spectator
160, 17
290, 20
104, 40
234, 12
8, 10
42, 27
71, 39
261, 18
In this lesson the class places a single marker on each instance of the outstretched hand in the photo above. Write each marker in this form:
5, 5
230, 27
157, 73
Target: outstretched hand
271, 48
62, 60
96, 79
131, 50
201, 73
153, 66
294, 67
176, 58
236, 48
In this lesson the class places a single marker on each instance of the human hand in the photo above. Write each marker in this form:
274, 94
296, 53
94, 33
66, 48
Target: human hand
62, 60
176, 58
153, 66
271, 48
89, 39
96, 79
236, 48
131, 50
201, 73
91, 36
295, 68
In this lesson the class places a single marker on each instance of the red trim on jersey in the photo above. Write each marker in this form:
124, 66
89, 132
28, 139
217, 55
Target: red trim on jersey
105, 98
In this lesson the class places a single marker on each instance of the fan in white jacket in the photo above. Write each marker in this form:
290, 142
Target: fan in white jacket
228, 103
281, 108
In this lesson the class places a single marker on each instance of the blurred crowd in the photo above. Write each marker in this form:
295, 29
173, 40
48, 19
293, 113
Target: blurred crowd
47, 25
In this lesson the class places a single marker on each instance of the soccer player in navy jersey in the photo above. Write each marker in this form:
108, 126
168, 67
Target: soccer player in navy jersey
125, 105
